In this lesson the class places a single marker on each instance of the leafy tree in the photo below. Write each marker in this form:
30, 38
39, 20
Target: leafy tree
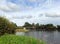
27, 24
58, 27
42, 27
50, 27
6, 26
33, 24
47, 27
37, 26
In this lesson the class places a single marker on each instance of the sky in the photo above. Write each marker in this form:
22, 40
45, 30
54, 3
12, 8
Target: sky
32, 11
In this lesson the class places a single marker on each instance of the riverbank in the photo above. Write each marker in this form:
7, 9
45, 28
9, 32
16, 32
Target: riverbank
14, 39
22, 30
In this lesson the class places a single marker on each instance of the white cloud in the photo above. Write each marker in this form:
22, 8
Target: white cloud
4, 8
20, 13
3, 5
32, 0
8, 6
13, 6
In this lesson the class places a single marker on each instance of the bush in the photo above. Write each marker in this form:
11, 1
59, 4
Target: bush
6, 26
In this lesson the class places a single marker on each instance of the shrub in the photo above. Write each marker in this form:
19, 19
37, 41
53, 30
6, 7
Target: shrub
6, 26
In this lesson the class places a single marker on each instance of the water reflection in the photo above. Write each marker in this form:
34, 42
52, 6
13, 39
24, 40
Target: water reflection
49, 37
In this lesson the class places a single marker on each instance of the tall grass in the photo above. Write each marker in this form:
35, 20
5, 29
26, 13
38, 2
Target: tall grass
14, 39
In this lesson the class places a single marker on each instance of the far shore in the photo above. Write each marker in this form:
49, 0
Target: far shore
22, 30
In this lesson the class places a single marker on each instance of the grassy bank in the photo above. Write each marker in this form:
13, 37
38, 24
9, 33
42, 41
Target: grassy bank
14, 39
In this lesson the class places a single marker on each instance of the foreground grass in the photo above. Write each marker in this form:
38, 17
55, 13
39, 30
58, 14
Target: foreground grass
14, 39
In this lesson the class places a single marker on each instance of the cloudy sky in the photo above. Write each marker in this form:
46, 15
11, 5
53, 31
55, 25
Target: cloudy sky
32, 11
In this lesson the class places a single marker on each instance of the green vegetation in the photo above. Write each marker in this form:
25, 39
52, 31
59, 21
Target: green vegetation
6, 26
14, 39
41, 27
9, 27
58, 27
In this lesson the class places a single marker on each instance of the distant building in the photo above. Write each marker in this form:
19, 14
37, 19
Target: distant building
24, 28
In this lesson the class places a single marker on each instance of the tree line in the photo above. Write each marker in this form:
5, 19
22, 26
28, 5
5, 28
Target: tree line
42, 27
9, 27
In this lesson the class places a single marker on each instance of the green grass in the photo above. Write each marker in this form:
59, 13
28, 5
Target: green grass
14, 39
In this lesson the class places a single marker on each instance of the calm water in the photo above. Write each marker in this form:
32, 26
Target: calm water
49, 37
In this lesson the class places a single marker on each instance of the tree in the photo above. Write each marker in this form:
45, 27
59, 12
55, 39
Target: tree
42, 27
58, 27
50, 27
37, 26
6, 26
27, 24
33, 25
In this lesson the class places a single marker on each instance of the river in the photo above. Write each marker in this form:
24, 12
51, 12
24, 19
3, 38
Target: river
49, 37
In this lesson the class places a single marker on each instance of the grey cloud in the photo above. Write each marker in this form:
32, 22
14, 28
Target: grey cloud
28, 17
22, 17
52, 15
40, 15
